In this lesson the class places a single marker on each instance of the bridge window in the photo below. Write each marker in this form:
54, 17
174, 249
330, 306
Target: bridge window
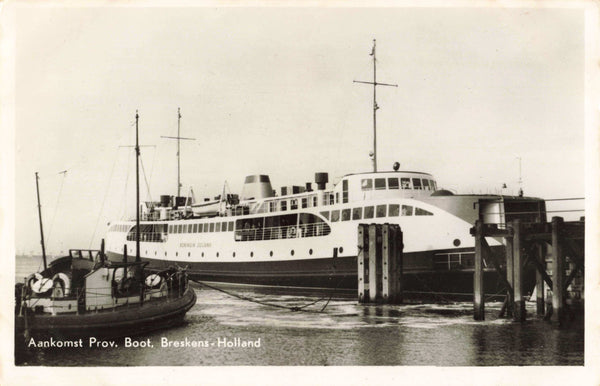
366, 184
293, 204
422, 212
170, 228
392, 183
304, 202
369, 210
206, 227
315, 201
417, 183
344, 191
223, 226
356, 213
335, 215
407, 210
190, 228
346, 214
433, 185
405, 183
379, 183
199, 228
283, 205
272, 206
381, 209
425, 184
394, 210
212, 227
230, 226
218, 227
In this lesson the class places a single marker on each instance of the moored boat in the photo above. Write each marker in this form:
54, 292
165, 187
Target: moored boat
83, 295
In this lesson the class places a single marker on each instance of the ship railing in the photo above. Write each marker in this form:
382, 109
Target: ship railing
282, 232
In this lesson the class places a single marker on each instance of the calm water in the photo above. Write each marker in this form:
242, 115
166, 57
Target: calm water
344, 334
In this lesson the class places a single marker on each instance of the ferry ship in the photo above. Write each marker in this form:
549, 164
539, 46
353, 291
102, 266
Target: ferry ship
308, 237
300, 236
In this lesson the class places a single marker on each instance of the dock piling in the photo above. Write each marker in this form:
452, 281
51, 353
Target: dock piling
478, 301
558, 272
519, 301
379, 263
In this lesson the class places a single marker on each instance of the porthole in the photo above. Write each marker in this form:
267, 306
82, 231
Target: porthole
310, 251
165, 253
292, 252
202, 254
233, 254
155, 253
341, 249
217, 254
188, 254
456, 242
271, 253
146, 252
176, 254
251, 254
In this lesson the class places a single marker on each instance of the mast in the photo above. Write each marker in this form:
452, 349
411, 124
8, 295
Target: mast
178, 138
375, 107
37, 188
137, 189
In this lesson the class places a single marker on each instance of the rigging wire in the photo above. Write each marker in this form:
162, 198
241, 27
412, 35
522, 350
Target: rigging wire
145, 179
104, 200
64, 173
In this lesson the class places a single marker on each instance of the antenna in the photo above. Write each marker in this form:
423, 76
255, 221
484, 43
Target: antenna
375, 106
520, 179
178, 138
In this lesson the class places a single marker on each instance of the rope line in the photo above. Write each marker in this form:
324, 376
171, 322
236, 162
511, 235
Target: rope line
104, 200
56, 207
246, 298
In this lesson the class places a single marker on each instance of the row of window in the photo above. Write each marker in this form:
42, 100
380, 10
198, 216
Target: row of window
225, 226
379, 211
392, 183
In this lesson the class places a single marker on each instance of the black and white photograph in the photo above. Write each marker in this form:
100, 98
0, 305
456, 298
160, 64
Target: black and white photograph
348, 190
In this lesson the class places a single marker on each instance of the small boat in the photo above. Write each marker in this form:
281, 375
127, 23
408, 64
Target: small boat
85, 295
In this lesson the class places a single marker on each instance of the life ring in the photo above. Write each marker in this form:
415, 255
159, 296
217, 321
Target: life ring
153, 280
33, 278
42, 286
291, 232
62, 285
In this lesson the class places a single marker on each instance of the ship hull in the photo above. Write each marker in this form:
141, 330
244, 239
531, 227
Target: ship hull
421, 277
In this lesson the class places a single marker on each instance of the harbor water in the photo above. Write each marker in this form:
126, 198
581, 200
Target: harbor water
222, 329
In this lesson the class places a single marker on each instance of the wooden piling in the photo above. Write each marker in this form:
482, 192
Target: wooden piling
558, 272
509, 277
373, 262
519, 301
478, 303
363, 263
540, 289
398, 248
387, 261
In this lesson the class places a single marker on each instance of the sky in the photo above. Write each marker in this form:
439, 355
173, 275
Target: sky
270, 91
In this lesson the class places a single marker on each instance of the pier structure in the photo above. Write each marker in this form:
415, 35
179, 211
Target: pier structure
555, 249
379, 263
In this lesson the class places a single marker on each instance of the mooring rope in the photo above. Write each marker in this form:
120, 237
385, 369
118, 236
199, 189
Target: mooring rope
246, 298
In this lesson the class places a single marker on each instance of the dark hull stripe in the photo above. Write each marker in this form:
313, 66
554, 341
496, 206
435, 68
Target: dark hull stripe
340, 272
